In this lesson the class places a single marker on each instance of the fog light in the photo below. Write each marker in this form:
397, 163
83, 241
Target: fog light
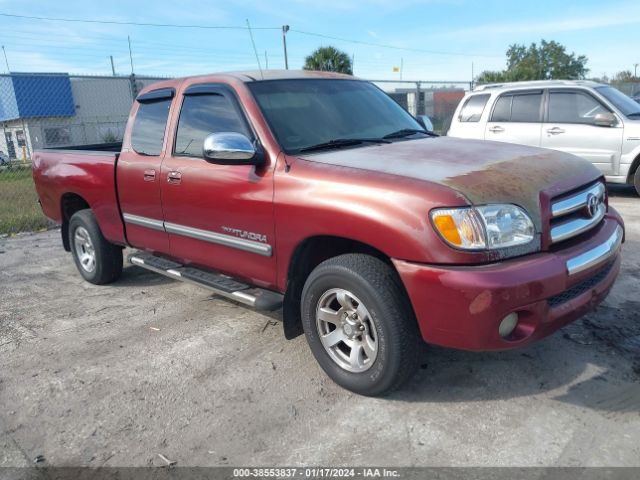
508, 325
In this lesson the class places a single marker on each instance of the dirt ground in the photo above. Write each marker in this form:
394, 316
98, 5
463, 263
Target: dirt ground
116, 375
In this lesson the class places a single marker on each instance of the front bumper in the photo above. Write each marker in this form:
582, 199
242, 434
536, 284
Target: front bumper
462, 306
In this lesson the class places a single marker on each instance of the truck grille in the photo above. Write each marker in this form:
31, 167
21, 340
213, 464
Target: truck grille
577, 212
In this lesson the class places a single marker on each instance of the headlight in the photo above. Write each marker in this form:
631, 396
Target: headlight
484, 227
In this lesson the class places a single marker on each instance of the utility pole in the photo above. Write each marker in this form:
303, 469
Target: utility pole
472, 76
130, 54
266, 61
635, 68
285, 29
401, 66
5, 59
113, 68
353, 63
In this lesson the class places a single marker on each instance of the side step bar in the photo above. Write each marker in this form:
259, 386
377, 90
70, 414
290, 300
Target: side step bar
219, 284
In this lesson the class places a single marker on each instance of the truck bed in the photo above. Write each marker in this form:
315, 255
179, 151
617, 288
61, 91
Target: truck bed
80, 174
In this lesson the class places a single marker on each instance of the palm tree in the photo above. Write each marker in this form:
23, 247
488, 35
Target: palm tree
329, 59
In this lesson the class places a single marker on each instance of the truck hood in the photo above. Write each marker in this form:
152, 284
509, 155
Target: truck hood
482, 171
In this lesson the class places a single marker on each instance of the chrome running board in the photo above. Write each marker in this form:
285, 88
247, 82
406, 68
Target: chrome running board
218, 283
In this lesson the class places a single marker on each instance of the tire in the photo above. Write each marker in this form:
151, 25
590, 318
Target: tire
98, 261
388, 345
636, 180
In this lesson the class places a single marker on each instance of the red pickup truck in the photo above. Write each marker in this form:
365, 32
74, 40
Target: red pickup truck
317, 193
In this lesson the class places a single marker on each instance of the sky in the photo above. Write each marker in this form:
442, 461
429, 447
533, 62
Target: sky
431, 39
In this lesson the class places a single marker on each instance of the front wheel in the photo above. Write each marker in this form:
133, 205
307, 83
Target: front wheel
636, 180
359, 324
97, 260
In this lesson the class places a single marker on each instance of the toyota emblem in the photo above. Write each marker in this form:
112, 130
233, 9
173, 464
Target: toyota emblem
593, 205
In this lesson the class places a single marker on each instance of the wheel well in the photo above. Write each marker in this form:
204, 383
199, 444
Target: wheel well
70, 204
632, 170
307, 256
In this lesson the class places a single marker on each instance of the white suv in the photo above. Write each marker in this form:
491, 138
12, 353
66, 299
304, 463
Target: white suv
588, 119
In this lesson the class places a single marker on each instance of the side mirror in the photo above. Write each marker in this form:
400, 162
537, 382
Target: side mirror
605, 119
230, 148
426, 123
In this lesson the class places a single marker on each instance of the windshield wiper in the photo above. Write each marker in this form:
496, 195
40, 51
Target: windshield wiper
342, 142
634, 114
406, 132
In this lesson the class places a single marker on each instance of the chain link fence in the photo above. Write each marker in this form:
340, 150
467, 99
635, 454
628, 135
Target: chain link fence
49, 110
435, 99
53, 111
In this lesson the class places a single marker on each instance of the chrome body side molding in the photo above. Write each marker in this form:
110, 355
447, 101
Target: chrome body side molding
251, 246
220, 239
143, 221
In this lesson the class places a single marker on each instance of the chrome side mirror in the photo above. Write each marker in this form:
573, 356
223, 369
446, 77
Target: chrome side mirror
230, 148
426, 122
605, 119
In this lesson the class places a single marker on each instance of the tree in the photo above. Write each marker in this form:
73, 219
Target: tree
329, 59
548, 61
625, 76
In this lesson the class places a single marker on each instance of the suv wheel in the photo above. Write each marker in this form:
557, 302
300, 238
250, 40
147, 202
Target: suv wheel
97, 260
359, 324
636, 180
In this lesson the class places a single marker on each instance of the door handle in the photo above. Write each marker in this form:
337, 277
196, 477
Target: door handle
496, 129
149, 175
555, 131
174, 177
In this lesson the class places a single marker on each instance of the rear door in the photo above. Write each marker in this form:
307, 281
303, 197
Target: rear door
570, 128
516, 117
467, 122
138, 172
218, 216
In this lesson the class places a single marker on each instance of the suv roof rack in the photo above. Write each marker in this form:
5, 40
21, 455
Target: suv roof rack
534, 83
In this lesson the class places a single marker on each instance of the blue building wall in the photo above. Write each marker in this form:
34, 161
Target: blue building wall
33, 96
8, 104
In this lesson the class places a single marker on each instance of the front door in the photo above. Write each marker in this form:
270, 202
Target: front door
570, 128
138, 172
217, 216
516, 118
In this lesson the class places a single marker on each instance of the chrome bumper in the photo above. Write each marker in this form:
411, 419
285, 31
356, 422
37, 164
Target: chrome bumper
597, 255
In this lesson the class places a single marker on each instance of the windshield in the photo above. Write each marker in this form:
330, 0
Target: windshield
623, 103
305, 113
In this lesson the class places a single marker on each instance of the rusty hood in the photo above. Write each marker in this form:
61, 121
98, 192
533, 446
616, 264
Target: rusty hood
482, 171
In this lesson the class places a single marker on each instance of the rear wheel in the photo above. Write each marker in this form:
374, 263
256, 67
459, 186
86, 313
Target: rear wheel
359, 324
636, 180
97, 260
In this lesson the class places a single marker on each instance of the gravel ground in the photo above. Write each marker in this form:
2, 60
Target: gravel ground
115, 375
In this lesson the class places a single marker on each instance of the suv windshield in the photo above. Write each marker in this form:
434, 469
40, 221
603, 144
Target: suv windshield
306, 113
626, 105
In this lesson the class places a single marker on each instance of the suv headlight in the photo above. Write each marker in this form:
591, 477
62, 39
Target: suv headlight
486, 227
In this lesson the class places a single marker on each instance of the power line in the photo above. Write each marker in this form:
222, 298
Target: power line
139, 24
229, 27
394, 47
225, 27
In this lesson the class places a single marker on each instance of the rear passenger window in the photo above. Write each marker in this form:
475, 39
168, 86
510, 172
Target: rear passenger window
473, 108
526, 108
202, 115
149, 126
522, 107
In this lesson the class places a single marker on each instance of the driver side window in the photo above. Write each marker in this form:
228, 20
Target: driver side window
574, 107
202, 115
